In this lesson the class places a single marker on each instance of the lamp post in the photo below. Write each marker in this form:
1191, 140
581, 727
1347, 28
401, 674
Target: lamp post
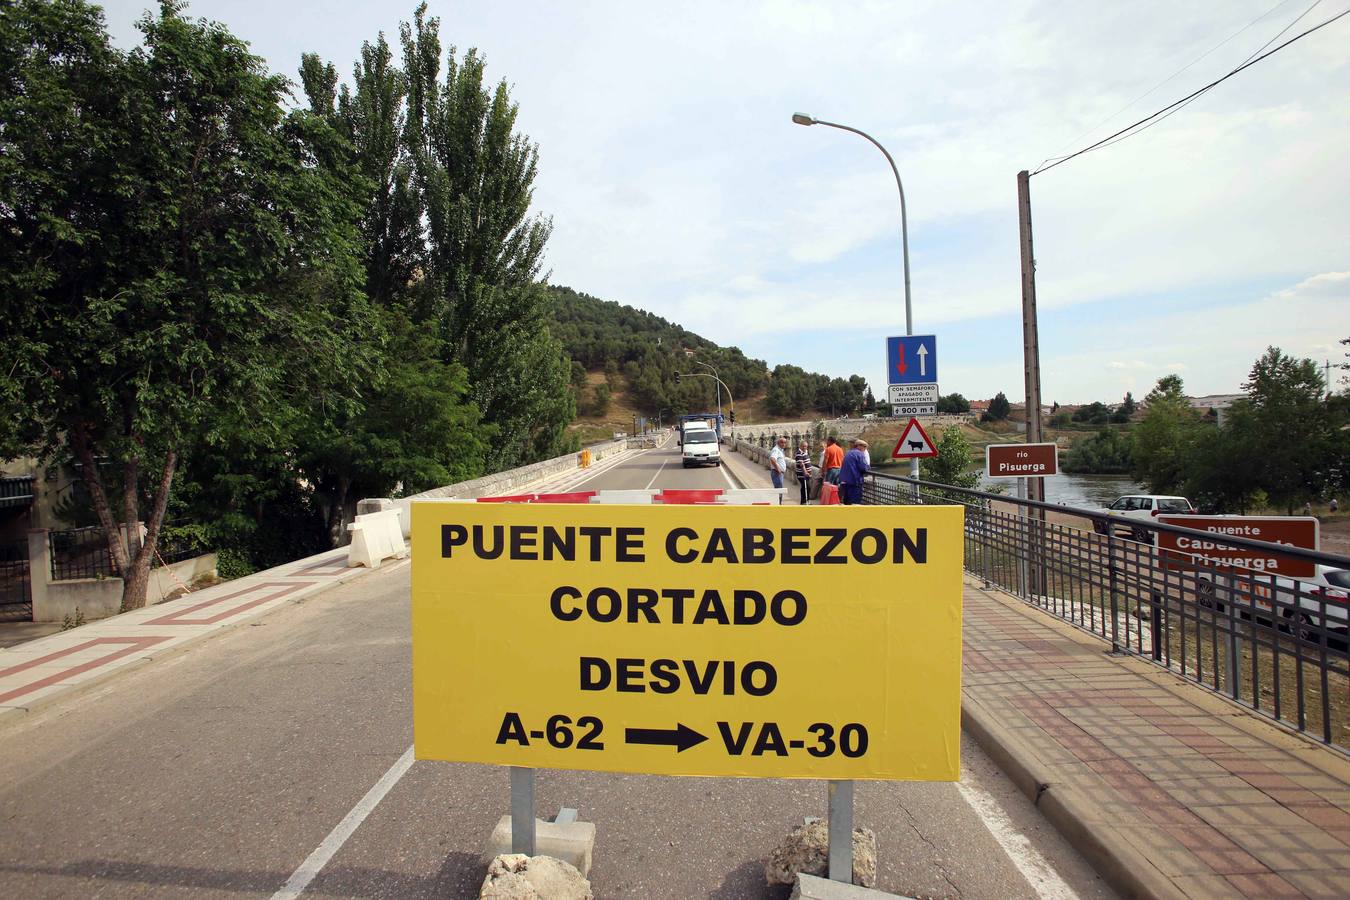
721, 384
719, 389
803, 119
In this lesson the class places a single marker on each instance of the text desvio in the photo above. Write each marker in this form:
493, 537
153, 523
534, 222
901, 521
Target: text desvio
747, 546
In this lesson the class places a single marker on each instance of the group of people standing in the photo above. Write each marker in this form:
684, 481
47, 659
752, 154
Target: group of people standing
847, 470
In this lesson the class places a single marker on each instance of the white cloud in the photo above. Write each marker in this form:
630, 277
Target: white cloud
676, 181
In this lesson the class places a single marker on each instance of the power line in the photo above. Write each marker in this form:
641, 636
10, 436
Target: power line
1130, 130
1173, 112
1284, 29
1176, 73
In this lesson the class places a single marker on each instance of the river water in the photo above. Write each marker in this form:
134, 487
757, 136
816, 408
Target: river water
1090, 491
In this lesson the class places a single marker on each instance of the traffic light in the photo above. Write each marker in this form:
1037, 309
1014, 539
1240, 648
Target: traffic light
733, 417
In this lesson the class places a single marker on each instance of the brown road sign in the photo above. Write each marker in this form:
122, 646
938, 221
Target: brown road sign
1292, 531
1021, 460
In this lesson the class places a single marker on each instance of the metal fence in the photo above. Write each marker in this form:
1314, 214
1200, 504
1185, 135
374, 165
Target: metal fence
178, 540
81, 553
16, 598
1273, 643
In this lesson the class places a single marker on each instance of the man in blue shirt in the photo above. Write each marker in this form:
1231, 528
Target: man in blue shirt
851, 476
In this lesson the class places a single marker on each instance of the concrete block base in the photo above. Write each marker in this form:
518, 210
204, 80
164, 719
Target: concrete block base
809, 887
571, 842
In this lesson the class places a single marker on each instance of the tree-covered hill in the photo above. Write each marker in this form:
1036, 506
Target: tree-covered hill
642, 355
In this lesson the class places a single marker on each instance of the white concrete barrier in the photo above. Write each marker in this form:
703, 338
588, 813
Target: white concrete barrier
622, 496
376, 537
752, 496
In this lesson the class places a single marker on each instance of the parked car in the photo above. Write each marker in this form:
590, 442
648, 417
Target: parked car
1144, 507
1299, 600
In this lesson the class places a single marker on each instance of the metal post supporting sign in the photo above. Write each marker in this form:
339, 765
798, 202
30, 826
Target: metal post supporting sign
841, 831
522, 810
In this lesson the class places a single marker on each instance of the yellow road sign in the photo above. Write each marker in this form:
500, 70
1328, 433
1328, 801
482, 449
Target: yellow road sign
786, 642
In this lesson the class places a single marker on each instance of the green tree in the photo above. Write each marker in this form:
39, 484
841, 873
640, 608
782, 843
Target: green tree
792, 391
1162, 442
998, 408
416, 430
1106, 452
1286, 424
475, 174
171, 256
600, 399
1126, 410
1094, 413
953, 403
952, 463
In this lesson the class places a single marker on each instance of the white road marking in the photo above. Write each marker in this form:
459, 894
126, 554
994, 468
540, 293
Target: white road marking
1042, 877
723, 470
656, 476
315, 862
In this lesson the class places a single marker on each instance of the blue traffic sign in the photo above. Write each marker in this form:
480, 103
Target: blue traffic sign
911, 359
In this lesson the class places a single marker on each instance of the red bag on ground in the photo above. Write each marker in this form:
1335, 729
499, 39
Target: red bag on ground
829, 494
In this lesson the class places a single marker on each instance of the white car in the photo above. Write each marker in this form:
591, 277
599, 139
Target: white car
1304, 594
1145, 507
700, 446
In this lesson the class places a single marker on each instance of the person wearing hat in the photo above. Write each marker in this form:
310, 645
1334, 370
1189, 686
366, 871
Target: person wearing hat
853, 473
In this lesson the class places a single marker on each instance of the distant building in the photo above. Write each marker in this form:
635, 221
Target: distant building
1215, 404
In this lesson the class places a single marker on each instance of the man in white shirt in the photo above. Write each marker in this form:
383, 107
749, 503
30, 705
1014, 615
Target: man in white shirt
778, 462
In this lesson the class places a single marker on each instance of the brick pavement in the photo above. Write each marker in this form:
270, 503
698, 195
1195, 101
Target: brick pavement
37, 671
1167, 788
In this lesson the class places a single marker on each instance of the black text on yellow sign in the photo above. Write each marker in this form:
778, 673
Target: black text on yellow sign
786, 642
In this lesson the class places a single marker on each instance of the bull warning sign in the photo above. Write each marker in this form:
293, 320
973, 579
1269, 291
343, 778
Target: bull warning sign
1179, 550
1021, 460
914, 443
763, 641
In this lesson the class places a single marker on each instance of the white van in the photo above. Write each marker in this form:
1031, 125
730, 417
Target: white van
700, 445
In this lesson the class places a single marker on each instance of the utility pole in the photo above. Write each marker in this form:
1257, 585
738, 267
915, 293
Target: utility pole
1031, 348
1031, 357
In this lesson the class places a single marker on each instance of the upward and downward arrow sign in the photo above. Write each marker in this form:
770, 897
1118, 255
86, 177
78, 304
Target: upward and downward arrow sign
921, 353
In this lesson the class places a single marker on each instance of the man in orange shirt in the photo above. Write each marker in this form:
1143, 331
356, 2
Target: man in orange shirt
834, 460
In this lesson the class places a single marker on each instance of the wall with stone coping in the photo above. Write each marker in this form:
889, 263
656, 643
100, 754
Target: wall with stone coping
99, 598
841, 427
500, 483
759, 456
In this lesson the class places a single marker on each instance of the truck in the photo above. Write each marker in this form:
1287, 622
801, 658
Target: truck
699, 446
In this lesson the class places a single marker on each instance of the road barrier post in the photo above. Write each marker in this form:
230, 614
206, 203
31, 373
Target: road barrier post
841, 831
1115, 609
987, 542
1155, 626
1022, 527
522, 810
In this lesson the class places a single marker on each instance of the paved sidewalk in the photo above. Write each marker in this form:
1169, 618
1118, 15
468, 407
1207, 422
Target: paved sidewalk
1167, 789
753, 475
34, 672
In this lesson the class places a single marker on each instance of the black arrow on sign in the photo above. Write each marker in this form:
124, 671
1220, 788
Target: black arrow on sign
681, 736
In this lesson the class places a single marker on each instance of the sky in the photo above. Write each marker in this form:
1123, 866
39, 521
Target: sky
677, 183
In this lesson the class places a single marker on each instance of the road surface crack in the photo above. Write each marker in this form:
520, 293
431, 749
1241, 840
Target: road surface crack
937, 860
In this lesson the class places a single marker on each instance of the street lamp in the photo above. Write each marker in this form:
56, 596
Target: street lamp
719, 388
804, 119
731, 401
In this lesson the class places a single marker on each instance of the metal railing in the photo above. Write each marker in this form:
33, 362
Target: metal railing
16, 597
1273, 643
177, 541
81, 553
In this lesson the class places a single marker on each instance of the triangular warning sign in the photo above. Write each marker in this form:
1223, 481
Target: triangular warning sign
914, 443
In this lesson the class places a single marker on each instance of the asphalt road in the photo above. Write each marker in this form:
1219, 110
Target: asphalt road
218, 771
